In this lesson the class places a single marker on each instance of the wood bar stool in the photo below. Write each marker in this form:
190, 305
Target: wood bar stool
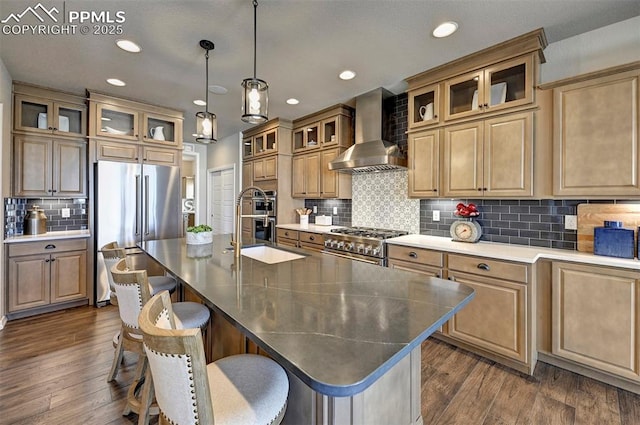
133, 291
243, 389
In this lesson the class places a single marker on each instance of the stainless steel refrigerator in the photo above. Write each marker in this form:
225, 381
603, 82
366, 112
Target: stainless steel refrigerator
133, 203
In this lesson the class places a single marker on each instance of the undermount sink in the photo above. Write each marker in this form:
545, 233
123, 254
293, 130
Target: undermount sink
269, 255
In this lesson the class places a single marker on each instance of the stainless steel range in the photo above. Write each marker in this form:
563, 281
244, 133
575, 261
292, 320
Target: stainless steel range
360, 243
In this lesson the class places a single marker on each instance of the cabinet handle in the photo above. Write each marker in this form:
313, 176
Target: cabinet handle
55, 128
50, 246
50, 128
53, 259
46, 261
434, 190
486, 105
479, 189
286, 233
452, 278
438, 275
54, 191
412, 254
484, 266
311, 238
485, 189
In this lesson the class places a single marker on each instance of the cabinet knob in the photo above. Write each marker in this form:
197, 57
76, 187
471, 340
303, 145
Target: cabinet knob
55, 128
53, 259
452, 278
50, 246
486, 105
54, 191
479, 189
311, 238
412, 254
435, 190
50, 128
484, 266
46, 261
286, 233
435, 116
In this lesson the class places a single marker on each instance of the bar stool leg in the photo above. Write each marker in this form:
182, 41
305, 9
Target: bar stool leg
117, 358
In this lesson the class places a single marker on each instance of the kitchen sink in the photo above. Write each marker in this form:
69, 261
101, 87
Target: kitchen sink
269, 255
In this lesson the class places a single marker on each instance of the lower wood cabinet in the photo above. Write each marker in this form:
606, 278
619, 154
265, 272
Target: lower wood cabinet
596, 318
311, 240
265, 168
287, 237
47, 273
418, 260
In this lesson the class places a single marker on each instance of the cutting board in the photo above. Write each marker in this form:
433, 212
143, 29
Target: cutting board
594, 215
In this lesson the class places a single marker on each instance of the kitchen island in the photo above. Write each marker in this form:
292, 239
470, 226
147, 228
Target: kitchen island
347, 332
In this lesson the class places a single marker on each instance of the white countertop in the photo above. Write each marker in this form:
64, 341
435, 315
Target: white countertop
66, 234
315, 228
509, 252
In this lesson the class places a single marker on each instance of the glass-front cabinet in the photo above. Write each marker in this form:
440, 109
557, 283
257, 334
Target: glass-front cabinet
117, 122
247, 147
306, 137
330, 131
424, 106
161, 129
46, 116
265, 143
504, 85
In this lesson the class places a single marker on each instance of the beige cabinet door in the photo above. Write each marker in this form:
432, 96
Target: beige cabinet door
333, 183
496, 319
160, 156
595, 137
116, 122
28, 282
424, 164
462, 163
298, 177
595, 318
68, 276
418, 268
32, 166
258, 170
162, 129
507, 158
123, 152
247, 174
312, 175
69, 168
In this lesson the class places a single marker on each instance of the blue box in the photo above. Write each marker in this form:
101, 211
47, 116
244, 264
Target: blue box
613, 241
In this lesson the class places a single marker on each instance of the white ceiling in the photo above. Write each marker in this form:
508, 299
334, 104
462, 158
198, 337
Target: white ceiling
302, 46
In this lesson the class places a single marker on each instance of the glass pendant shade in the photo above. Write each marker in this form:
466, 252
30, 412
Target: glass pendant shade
206, 127
255, 101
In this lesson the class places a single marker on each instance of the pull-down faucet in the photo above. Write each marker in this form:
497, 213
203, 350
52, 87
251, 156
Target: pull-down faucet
236, 243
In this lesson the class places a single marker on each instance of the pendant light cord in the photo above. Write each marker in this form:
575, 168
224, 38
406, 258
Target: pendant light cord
206, 79
255, 37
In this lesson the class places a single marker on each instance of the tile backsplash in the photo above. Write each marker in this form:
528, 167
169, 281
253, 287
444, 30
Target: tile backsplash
326, 206
15, 210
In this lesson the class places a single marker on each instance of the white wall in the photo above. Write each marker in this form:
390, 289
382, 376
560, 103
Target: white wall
226, 152
615, 44
5, 180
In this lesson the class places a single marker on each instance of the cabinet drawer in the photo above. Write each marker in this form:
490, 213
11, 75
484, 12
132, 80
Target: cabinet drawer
286, 233
415, 255
313, 238
46, 247
488, 267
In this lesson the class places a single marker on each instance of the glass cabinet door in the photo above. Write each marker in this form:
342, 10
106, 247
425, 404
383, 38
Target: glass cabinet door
117, 122
270, 140
312, 136
298, 139
464, 95
70, 119
424, 105
258, 144
33, 114
247, 147
330, 131
509, 83
159, 129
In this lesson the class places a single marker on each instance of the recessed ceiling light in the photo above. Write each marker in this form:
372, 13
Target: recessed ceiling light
293, 101
218, 89
445, 29
128, 45
347, 75
116, 82
200, 102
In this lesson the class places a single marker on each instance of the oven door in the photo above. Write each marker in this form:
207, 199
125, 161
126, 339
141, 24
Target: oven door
357, 257
266, 233
262, 207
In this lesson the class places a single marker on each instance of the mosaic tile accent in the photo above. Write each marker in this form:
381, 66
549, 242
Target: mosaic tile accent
15, 209
325, 207
380, 200
529, 222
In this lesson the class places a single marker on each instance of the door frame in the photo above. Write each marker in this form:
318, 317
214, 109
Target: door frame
210, 172
190, 152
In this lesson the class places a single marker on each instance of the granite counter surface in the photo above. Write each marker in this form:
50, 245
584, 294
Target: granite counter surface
524, 254
337, 324
62, 234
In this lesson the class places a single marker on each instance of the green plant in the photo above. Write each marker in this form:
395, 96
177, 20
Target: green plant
199, 228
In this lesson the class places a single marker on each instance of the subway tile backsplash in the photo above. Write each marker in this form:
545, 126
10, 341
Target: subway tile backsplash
325, 207
15, 209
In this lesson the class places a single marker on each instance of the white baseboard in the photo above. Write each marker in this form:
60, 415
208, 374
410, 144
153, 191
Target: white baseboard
3, 321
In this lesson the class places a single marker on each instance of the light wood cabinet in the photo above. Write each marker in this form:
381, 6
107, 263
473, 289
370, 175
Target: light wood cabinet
424, 164
489, 158
45, 167
595, 317
596, 126
130, 121
332, 183
287, 237
266, 142
424, 106
247, 174
265, 168
497, 320
126, 152
306, 175
311, 240
330, 127
419, 260
47, 115
247, 147
46, 275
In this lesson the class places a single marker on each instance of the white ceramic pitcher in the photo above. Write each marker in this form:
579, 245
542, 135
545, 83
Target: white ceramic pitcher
157, 132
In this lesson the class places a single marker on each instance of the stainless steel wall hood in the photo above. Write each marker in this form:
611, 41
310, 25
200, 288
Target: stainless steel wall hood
372, 151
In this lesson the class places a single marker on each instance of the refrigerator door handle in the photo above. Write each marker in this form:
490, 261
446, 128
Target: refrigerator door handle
146, 205
138, 226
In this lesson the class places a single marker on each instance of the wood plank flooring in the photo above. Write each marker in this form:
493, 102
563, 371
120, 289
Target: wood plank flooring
53, 371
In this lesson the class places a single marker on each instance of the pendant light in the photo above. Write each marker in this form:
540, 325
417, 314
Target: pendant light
206, 123
255, 96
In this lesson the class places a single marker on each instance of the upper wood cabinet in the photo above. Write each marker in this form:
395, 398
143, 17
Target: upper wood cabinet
128, 152
424, 106
130, 121
596, 140
424, 164
489, 158
46, 167
306, 169
265, 143
330, 127
265, 168
595, 317
332, 183
43, 111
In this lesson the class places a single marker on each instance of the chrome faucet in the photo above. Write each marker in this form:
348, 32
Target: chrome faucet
236, 242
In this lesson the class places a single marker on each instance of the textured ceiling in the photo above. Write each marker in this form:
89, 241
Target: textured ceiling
302, 46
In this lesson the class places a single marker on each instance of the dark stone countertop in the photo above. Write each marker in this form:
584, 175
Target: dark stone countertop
337, 324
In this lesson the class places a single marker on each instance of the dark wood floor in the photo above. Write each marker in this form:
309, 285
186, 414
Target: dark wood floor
53, 371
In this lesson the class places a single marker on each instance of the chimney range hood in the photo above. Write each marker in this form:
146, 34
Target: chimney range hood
372, 150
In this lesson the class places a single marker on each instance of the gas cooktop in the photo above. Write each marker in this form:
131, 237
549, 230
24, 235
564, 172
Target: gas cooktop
369, 232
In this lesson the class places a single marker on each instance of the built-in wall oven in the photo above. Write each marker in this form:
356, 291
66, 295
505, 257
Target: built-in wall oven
261, 230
